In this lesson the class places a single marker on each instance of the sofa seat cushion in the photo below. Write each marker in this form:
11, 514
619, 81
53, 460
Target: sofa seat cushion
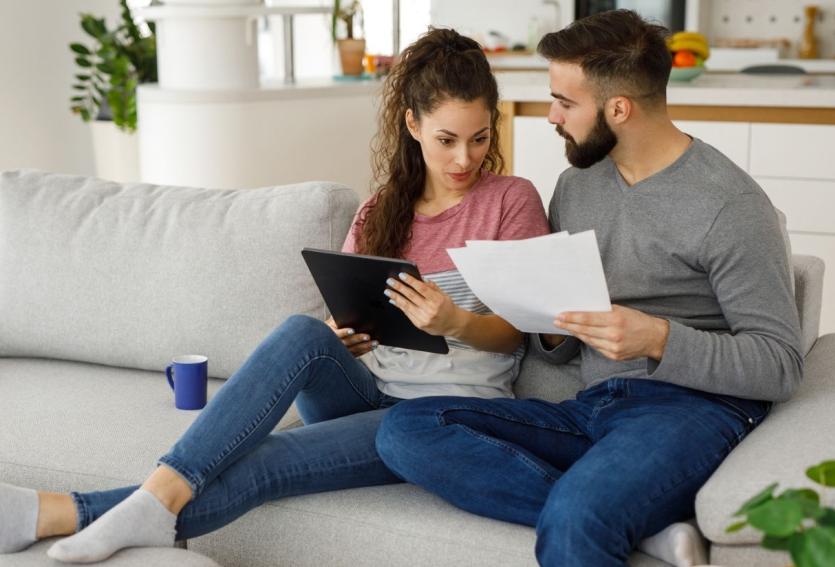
386, 526
75, 426
36, 556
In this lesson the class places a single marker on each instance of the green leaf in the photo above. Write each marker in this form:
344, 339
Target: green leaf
736, 527
105, 68
779, 518
764, 496
77, 98
88, 24
83, 62
827, 517
85, 114
823, 473
83, 77
777, 543
81, 49
815, 548
80, 87
809, 500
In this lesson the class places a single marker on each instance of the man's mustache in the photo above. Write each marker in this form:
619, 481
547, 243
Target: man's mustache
564, 134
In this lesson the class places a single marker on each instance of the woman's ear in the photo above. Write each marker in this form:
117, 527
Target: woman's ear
411, 124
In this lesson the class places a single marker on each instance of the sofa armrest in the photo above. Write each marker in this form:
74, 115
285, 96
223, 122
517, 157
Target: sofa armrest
794, 437
808, 294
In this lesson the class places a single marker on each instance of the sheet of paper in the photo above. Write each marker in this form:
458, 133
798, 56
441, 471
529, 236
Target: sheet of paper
529, 282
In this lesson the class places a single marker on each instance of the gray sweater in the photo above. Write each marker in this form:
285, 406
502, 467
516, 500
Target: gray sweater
698, 244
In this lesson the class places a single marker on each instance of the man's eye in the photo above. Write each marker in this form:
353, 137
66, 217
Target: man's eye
565, 105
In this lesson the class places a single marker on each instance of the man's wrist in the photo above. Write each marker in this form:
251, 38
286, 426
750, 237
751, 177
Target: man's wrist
662, 334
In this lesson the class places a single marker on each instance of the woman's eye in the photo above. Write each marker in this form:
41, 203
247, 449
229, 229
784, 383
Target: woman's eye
481, 139
445, 141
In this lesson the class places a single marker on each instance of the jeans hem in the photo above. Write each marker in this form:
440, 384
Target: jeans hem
82, 512
194, 482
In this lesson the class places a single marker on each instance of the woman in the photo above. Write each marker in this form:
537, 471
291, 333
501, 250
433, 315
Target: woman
436, 156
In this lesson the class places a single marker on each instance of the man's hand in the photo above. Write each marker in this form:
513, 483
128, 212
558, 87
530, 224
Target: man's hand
619, 334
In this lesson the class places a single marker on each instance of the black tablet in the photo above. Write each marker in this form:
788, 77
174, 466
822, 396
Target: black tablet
352, 286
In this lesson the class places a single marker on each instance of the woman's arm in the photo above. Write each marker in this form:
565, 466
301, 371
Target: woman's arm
431, 310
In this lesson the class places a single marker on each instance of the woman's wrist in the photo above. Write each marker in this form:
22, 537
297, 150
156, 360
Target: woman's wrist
459, 322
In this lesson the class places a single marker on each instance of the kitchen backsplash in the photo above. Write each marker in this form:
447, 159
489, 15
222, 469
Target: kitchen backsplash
770, 19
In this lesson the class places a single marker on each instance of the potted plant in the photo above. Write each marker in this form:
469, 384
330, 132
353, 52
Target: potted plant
795, 521
104, 92
351, 49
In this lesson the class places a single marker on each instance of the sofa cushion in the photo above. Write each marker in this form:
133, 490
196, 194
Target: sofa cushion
74, 426
386, 526
36, 556
131, 275
792, 438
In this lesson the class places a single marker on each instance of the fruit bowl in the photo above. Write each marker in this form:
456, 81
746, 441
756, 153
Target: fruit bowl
686, 73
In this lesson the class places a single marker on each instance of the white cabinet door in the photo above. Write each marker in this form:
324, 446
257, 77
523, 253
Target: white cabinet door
538, 154
793, 150
809, 206
730, 138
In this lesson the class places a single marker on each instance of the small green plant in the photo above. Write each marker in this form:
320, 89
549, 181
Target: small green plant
794, 520
112, 67
345, 11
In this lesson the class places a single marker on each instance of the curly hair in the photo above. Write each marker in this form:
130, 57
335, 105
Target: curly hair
442, 65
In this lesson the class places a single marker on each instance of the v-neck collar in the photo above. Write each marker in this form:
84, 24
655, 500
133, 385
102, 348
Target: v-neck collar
677, 164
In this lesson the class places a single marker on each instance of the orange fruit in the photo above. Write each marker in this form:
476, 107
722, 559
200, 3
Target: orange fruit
684, 59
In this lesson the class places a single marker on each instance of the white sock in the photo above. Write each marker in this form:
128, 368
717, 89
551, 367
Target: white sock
138, 521
680, 544
18, 518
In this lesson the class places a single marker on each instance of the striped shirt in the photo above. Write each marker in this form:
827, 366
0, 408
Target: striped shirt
495, 208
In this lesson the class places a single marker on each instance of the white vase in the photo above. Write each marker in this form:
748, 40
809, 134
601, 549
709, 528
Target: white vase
116, 153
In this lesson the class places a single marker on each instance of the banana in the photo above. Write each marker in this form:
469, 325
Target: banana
689, 35
697, 47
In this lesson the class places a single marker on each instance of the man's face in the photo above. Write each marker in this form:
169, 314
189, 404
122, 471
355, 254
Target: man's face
577, 116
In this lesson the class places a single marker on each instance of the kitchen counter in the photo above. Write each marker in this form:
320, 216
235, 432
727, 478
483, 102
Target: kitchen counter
709, 89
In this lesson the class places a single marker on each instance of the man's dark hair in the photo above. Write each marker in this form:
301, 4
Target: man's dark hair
619, 52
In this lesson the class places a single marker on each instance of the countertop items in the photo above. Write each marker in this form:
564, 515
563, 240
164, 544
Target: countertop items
710, 89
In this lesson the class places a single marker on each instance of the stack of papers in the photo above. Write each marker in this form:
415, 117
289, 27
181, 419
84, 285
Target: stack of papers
529, 282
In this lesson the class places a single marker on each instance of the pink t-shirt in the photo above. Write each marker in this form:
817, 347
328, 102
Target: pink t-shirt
497, 207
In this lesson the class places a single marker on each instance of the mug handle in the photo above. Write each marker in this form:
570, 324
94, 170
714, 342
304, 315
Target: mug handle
168, 374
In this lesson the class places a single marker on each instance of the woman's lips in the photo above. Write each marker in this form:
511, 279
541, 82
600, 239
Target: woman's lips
460, 176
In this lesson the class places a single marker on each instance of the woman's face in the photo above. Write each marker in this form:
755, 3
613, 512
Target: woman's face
454, 138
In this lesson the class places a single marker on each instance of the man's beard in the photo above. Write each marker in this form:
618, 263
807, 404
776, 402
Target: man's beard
596, 146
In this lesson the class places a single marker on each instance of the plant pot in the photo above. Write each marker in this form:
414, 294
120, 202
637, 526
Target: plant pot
351, 52
116, 153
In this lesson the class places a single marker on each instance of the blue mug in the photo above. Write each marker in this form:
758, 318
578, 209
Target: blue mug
188, 376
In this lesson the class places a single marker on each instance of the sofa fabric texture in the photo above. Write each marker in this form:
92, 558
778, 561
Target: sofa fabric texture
131, 275
36, 556
102, 283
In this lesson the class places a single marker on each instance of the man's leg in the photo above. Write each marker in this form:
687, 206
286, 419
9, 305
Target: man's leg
496, 458
655, 446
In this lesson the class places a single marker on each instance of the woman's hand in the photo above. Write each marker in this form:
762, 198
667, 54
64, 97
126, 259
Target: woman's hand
426, 306
358, 344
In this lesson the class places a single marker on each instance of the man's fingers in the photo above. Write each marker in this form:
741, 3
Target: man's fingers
589, 318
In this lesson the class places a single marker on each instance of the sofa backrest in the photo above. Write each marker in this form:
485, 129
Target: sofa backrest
131, 275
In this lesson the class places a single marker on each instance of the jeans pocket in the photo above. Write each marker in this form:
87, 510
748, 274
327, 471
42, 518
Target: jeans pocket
750, 412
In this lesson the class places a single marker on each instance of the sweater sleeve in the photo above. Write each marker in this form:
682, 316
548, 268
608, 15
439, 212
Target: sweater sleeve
759, 357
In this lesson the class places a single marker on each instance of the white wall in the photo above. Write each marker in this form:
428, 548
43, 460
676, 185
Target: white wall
36, 73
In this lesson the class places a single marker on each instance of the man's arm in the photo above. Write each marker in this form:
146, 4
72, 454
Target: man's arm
759, 357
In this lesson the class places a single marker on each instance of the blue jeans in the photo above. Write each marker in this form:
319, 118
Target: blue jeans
232, 459
594, 475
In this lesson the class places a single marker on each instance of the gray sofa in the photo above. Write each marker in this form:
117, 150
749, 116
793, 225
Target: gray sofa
101, 284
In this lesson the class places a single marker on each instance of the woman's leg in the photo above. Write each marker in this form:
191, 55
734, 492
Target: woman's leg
302, 353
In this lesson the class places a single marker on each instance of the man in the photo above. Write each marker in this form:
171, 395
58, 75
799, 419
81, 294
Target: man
703, 334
